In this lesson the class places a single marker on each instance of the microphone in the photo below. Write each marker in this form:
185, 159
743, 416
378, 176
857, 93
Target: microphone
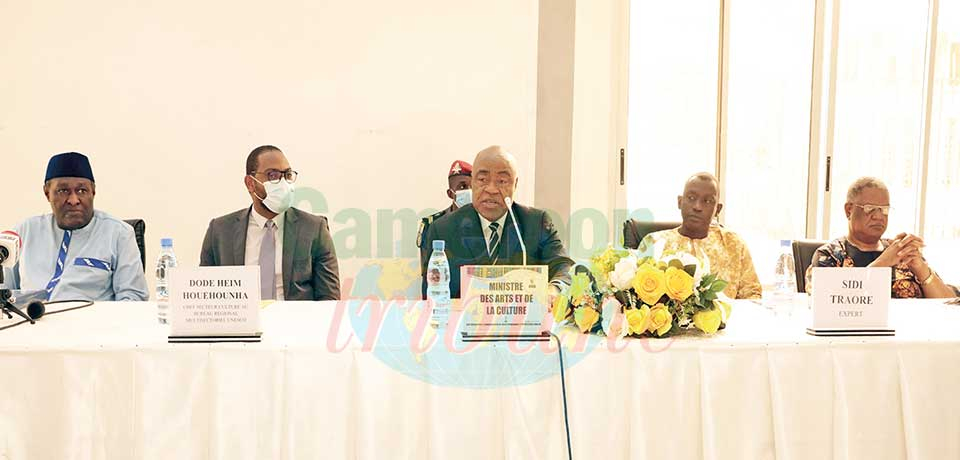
509, 202
9, 249
36, 309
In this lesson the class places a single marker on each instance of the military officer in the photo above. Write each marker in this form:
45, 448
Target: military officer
459, 192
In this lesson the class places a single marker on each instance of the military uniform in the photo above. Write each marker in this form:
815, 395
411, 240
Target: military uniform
422, 232
458, 168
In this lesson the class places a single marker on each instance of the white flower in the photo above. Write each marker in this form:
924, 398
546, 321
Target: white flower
612, 315
623, 272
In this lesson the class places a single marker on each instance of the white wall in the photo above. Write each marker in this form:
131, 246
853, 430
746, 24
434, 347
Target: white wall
600, 37
582, 60
371, 101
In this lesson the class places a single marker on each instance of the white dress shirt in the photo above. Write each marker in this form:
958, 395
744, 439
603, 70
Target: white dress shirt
485, 224
255, 231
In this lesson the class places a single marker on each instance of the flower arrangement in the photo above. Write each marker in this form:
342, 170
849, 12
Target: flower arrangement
623, 294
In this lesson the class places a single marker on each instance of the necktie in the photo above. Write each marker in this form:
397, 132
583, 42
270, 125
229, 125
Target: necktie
268, 263
494, 240
61, 261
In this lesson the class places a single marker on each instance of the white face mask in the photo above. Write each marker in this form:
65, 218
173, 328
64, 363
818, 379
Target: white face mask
279, 196
463, 197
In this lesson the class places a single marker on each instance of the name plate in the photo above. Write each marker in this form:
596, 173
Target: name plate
851, 301
503, 301
215, 303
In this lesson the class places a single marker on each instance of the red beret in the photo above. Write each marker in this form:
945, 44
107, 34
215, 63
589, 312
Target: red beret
459, 168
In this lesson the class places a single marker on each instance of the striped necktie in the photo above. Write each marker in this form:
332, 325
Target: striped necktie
493, 244
61, 262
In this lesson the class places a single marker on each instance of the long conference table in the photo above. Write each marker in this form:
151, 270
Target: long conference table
103, 383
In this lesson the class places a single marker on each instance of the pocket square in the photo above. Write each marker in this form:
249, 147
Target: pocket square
91, 262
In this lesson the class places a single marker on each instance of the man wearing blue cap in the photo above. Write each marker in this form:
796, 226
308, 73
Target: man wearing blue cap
77, 252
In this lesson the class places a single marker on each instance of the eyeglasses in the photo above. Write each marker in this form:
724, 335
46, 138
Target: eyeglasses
869, 209
274, 175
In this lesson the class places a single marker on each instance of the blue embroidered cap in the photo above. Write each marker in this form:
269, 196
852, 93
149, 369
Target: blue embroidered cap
70, 164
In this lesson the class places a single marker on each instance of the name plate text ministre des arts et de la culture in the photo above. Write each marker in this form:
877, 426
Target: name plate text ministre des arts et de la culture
503, 301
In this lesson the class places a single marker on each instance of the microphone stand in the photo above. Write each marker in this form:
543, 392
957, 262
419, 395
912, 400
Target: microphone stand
7, 307
544, 338
523, 247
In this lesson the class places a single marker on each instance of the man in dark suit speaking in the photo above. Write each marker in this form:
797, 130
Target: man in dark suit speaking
482, 233
293, 248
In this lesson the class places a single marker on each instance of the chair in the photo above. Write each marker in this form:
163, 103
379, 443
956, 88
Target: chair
140, 230
802, 257
634, 231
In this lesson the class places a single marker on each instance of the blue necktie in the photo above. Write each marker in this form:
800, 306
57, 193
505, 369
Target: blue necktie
61, 261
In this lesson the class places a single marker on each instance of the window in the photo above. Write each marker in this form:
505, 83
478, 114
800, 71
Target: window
879, 105
869, 63
768, 123
942, 227
673, 100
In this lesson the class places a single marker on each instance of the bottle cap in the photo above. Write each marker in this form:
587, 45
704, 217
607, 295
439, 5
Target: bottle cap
166, 242
438, 245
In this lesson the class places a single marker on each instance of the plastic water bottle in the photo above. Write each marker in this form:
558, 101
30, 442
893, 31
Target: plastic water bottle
165, 261
786, 282
438, 285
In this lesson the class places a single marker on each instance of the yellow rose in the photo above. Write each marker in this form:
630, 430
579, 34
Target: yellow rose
707, 320
661, 320
638, 319
649, 284
679, 284
585, 317
561, 308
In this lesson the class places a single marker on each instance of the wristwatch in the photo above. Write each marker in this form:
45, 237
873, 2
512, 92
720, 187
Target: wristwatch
929, 279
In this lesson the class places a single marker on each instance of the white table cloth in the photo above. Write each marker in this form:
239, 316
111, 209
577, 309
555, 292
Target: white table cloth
103, 383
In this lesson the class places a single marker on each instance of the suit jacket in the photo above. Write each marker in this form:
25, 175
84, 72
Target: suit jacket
310, 270
465, 244
425, 223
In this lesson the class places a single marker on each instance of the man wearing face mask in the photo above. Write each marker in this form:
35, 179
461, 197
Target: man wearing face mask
77, 252
293, 248
483, 233
458, 190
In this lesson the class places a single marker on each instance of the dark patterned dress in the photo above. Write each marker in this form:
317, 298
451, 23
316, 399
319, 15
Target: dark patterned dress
837, 253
